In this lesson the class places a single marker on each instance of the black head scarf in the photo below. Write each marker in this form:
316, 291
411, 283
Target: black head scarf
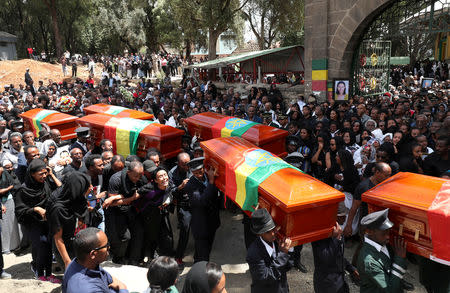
69, 200
33, 189
197, 280
32, 193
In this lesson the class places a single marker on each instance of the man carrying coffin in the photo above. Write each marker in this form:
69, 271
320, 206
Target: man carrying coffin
204, 203
379, 271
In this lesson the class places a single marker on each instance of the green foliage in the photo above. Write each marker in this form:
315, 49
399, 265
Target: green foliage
276, 20
111, 26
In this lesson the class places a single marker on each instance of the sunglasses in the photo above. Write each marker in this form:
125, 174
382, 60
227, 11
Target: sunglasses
107, 246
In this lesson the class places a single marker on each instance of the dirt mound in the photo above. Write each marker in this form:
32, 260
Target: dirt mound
14, 72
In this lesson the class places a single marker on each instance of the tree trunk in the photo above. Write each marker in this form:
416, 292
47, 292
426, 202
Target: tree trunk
262, 33
44, 34
51, 5
212, 51
188, 48
212, 43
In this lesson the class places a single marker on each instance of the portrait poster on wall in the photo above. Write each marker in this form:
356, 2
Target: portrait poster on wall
341, 89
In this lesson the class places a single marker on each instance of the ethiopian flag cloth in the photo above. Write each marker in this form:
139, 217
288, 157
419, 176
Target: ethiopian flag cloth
242, 179
231, 126
38, 118
114, 110
124, 132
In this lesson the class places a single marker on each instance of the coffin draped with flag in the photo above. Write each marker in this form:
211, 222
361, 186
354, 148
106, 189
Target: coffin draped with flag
132, 136
37, 119
419, 207
304, 207
210, 125
117, 111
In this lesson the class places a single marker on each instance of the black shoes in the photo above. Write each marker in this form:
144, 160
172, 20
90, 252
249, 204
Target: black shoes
407, 286
300, 267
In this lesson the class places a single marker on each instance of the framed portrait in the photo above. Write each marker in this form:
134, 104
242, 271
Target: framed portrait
426, 83
341, 89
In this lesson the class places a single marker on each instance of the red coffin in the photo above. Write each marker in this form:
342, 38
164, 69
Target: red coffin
117, 111
65, 123
165, 138
304, 207
412, 201
266, 137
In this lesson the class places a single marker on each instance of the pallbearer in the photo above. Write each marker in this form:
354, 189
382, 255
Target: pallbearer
379, 271
204, 202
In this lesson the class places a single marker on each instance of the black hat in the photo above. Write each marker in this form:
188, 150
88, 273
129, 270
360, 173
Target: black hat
17, 124
261, 222
294, 140
196, 164
266, 115
149, 166
295, 159
186, 137
197, 147
43, 133
282, 116
82, 132
377, 220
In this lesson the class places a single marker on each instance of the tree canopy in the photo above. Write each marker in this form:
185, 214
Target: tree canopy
111, 26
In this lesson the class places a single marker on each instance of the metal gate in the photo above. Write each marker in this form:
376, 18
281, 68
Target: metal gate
371, 68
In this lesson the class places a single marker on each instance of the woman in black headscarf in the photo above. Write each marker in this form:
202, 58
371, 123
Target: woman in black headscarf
67, 204
31, 200
205, 277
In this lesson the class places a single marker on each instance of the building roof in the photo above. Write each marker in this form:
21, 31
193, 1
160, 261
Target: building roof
250, 46
7, 37
222, 62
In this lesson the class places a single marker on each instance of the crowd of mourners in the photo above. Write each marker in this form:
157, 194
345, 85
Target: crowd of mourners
66, 199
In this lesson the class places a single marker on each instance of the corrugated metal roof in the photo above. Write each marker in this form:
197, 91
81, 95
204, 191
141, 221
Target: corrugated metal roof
222, 62
7, 37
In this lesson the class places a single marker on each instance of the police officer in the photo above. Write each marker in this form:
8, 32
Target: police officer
180, 175
379, 271
204, 202
267, 120
283, 121
82, 138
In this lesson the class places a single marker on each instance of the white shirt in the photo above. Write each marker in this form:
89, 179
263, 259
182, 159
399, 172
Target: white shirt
377, 246
270, 249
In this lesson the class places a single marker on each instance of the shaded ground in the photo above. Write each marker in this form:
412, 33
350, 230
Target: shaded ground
229, 251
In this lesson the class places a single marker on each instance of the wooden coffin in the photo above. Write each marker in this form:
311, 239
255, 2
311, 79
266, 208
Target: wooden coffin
207, 125
117, 111
303, 207
165, 138
411, 199
36, 119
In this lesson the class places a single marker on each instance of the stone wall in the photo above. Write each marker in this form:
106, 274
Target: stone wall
333, 29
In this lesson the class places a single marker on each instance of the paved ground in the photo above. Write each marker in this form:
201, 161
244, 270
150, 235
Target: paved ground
229, 251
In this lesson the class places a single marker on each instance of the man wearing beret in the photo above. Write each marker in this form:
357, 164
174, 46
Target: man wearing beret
268, 259
379, 271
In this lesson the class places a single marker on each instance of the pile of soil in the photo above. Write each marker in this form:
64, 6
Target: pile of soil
13, 72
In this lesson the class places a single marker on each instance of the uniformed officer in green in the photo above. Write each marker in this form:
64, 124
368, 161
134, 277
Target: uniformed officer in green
379, 271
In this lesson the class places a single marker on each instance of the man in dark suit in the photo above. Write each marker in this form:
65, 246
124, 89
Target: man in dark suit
204, 203
82, 138
267, 259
